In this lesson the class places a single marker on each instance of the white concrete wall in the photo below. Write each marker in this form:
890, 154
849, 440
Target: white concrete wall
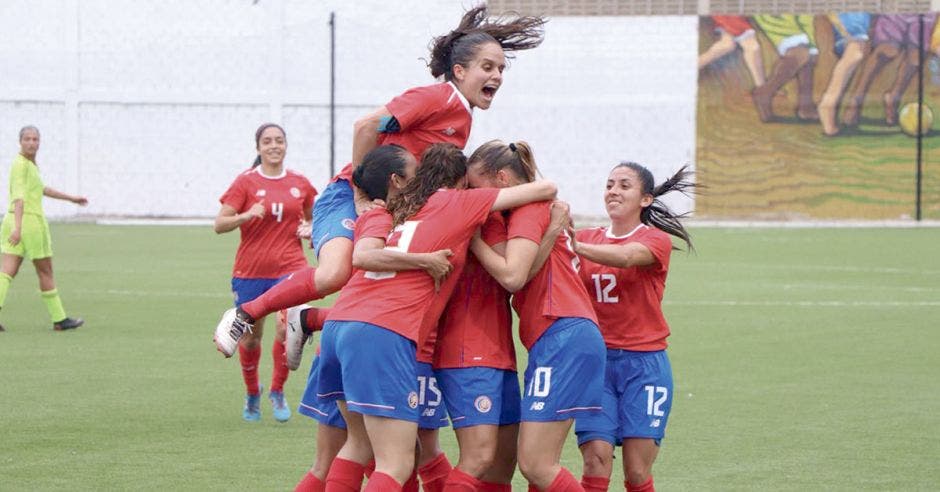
149, 108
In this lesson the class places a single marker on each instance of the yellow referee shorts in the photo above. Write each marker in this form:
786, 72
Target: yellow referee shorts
35, 239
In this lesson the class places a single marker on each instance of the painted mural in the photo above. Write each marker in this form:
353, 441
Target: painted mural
816, 116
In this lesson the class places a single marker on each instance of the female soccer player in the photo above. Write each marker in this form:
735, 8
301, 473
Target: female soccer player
381, 176
267, 203
26, 232
475, 359
624, 266
558, 327
378, 320
471, 59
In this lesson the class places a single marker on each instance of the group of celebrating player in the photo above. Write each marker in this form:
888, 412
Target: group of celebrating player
429, 249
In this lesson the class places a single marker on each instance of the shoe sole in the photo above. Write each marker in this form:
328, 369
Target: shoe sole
225, 324
293, 327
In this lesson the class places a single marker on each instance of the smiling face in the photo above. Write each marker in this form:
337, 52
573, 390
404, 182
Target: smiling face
272, 145
479, 80
625, 198
29, 143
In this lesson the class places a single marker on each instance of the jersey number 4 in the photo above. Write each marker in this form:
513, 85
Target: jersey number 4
277, 210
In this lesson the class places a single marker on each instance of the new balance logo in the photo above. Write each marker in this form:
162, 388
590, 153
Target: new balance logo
655, 423
428, 412
537, 406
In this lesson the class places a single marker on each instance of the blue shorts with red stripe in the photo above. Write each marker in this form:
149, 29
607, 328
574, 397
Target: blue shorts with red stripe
334, 214
480, 396
637, 399
324, 412
565, 375
373, 369
249, 289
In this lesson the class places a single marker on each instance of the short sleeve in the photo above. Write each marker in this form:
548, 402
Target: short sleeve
416, 105
494, 229
18, 180
530, 221
659, 244
236, 195
477, 204
374, 223
309, 193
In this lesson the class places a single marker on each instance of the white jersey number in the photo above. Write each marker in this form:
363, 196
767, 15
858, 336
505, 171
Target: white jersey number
653, 404
407, 231
603, 290
541, 383
427, 385
277, 210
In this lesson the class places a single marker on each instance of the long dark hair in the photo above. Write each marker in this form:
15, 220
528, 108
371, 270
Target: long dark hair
442, 166
372, 175
258, 133
657, 214
460, 46
495, 155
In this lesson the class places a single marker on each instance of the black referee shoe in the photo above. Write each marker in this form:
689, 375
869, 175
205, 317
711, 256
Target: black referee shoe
68, 324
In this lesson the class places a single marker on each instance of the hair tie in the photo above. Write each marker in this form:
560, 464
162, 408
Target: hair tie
512, 146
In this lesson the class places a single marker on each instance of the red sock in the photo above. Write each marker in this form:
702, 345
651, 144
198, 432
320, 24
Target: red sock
565, 482
249, 360
646, 486
494, 487
314, 318
533, 488
310, 483
411, 485
592, 484
280, 366
370, 467
434, 473
344, 476
297, 288
380, 482
460, 481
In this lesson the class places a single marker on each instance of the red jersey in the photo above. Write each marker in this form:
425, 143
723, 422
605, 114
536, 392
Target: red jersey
269, 246
556, 290
399, 301
628, 301
476, 327
427, 115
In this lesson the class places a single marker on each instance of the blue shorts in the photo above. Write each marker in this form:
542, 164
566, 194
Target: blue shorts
324, 412
249, 289
334, 214
637, 399
852, 26
373, 369
480, 396
565, 376
430, 399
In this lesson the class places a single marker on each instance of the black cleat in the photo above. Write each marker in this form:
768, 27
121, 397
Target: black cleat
67, 324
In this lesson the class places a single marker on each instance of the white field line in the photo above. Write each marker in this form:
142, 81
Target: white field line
877, 304
818, 268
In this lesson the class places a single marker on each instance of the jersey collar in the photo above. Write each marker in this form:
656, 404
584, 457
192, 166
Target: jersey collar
265, 176
609, 235
466, 103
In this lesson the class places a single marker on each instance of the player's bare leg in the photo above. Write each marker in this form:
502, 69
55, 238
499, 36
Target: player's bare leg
478, 445
881, 55
785, 69
841, 75
393, 442
805, 107
751, 54
598, 456
719, 49
334, 266
910, 63
540, 446
638, 458
503, 466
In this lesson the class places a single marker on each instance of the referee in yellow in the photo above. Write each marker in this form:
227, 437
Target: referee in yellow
25, 231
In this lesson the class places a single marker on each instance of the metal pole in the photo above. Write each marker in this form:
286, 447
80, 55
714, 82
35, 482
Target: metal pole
332, 94
920, 108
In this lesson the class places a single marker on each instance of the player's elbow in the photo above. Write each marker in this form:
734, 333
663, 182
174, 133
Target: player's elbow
513, 282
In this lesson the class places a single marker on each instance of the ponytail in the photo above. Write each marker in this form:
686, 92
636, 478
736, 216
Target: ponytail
657, 214
516, 156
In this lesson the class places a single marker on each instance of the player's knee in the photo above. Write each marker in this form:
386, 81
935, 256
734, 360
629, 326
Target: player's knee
597, 463
478, 460
332, 276
532, 468
637, 474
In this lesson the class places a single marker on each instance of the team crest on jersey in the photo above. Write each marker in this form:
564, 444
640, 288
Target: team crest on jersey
294, 192
349, 224
261, 193
483, 404
449, 131
413, 399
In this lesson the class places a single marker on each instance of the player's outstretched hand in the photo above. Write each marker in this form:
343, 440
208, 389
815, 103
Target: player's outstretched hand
304, 229
80, 200
438, 266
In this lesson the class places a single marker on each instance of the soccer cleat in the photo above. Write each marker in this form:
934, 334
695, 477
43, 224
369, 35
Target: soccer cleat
2, 328
252, 411
67, 324
230, 330
281, 410
296, 336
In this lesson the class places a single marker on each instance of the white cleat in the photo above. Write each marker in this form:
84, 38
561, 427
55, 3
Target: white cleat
296, 338
229, 331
